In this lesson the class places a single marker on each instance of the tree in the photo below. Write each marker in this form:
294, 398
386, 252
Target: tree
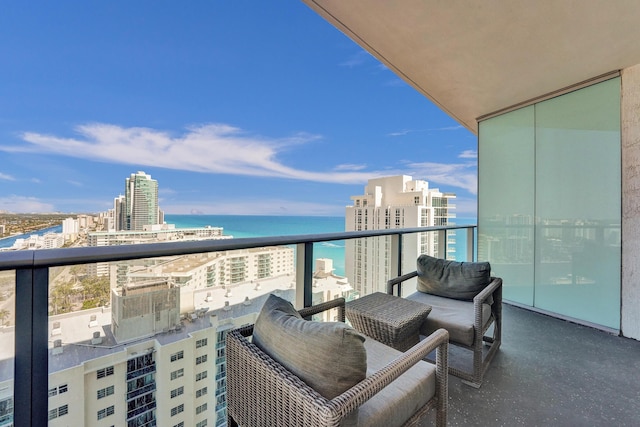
60, 297
96, 290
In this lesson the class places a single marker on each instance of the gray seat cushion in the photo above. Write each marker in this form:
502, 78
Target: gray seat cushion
398, 401
456, 316
330, 357
451, 279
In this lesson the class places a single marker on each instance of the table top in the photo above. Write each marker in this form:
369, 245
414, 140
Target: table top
389, 308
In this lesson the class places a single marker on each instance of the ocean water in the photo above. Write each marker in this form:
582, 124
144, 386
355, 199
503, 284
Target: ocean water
266, 226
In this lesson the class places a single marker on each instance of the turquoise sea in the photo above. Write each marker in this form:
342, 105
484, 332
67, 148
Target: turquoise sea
265, 226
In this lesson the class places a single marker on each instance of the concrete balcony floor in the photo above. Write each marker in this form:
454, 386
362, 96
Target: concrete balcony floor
551, 372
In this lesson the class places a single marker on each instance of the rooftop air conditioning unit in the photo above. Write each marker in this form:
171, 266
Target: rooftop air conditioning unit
57, 347
97, 339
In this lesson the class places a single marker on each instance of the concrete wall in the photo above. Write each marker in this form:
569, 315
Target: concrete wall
630, 117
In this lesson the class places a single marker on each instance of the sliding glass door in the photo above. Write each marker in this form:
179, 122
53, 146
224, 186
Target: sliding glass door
550, 203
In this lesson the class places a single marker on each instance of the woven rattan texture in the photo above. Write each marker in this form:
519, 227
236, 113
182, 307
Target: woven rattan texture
386, 318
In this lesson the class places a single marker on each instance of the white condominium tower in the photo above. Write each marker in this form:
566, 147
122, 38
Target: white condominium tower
387, 203
141, 201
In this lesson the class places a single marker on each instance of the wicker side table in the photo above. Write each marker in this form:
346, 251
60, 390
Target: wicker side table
389, 319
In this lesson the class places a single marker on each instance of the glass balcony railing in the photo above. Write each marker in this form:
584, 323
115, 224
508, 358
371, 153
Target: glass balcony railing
77, 316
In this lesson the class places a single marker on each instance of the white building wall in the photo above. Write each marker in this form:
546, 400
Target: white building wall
388, 203
630, 99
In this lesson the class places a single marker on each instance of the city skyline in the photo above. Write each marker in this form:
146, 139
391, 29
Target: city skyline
265, 109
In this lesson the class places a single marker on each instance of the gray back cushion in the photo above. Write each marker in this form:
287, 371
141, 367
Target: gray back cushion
457, 280
330, 357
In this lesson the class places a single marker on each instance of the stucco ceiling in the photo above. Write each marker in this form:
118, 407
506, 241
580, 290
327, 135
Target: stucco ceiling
473, 58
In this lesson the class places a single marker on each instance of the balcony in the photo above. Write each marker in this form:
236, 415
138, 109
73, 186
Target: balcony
547, 372
552, 372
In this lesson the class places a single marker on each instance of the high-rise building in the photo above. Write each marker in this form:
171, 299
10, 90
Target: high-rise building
117, 217
141, 201
387, 203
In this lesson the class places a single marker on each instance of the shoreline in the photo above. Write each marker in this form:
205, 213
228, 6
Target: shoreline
19, 235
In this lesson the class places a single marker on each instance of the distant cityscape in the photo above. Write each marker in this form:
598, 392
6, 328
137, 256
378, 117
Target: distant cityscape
142, 342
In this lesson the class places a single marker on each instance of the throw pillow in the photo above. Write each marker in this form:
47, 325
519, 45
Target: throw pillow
328, 356
457, 280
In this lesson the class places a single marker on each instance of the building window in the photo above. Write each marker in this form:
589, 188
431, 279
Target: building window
108, 391
200, 409
202, 375
201, 359
177, 392
201, 392
58, 412
202, 423
103, 413
180, 424
177, 410
105, 372
201, 343
177, 356
58, 390
177, 374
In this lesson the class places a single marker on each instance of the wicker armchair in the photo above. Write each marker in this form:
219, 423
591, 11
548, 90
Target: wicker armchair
261, 392
466, 321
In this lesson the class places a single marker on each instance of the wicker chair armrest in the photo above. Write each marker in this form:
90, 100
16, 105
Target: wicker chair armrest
482, 296
319, 308
367, 388
398, 280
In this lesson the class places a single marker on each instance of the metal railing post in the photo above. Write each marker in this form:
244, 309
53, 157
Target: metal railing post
470, 245
304, 274
31, 376
396, 255
442, 244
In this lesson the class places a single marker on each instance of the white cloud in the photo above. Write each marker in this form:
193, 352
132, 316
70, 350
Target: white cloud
75, 183
462, 175
349, 167
466, 207
20, 204
223, 149
399, 133
6, 177
469, 154
408, 131
211, 148
264, 206
36, 180
356, 59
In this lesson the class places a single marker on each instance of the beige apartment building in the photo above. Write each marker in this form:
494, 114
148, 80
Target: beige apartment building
388, 203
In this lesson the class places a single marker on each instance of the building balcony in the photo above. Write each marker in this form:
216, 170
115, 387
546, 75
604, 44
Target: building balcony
547, 372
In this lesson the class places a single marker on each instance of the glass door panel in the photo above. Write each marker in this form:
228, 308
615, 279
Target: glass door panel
577, 263
506, 201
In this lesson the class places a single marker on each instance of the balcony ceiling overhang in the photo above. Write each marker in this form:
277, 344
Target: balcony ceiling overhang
473, 58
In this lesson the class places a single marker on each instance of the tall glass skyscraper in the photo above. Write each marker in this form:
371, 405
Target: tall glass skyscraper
141, 201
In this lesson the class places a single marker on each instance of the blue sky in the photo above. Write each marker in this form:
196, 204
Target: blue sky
235, 107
